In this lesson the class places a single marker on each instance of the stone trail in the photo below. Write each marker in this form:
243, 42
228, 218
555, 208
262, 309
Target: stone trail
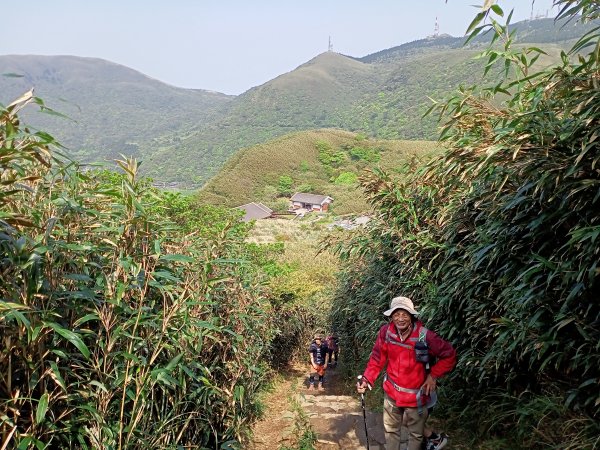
337, 419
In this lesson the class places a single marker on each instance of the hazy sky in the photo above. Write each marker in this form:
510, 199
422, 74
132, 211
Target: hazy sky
229, 45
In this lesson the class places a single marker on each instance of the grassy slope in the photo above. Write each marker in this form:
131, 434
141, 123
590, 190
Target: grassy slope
253, 173
114, 109
187, 135
309, 97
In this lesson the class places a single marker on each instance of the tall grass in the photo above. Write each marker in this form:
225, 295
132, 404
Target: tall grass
497, 242
120, 327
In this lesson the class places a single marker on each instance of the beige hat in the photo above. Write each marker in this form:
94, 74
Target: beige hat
401, 303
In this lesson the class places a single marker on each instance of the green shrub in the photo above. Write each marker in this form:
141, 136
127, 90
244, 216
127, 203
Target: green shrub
280, 205
307, 188
328, 156
270, 192
128, 317
346, 178
285, 185
304, 166
365, 154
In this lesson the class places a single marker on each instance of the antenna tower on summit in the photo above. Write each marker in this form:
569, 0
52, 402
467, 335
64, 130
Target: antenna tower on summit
436, 29
330, 47
531, 17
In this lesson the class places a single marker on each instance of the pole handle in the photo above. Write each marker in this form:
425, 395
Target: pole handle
359, 378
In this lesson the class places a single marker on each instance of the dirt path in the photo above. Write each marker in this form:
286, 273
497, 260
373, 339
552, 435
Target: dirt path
334, 416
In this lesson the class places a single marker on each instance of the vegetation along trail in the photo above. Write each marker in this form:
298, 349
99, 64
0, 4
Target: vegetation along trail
133, 317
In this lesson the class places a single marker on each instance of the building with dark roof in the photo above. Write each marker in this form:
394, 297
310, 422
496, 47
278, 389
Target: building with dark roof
312, 202
255, 211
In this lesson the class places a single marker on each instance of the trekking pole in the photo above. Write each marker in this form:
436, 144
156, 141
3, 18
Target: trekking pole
362, 402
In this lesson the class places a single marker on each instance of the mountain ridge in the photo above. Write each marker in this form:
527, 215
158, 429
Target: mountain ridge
186, 135
98, 96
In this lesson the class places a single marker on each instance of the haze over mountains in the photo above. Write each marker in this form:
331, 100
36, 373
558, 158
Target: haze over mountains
184, 136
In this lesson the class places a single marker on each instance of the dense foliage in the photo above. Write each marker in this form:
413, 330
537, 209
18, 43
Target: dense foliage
497, 242
128, 318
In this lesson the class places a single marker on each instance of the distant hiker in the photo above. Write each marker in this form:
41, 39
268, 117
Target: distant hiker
333, 344
408, 384
319, 356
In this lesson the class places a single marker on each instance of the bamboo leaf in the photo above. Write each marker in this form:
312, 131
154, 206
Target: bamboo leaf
84, 319
497, 9
56, 376
475, 22
99, 385
9, 306
177, 258
42, 407
70, 336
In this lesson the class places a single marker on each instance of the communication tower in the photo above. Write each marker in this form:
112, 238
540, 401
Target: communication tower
330, 47
538, 15
531, 16
436, 28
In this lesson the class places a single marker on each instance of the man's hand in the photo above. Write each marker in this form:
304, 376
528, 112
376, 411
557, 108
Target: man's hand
362, 385
429, 385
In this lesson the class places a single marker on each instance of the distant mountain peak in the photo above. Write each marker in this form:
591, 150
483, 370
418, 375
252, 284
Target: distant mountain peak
186, 135
326, 58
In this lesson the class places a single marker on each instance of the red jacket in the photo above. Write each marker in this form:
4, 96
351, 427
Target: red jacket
405, 375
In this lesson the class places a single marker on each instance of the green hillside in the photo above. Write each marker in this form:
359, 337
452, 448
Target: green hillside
185, 136
112, 109
331, 91
383, 95
322, 161
396, 110
306, 98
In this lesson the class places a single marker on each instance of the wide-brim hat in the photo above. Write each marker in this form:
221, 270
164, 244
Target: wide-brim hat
404, 303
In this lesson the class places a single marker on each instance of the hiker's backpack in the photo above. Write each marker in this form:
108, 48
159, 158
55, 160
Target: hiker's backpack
332, 342
422, 355
422, 349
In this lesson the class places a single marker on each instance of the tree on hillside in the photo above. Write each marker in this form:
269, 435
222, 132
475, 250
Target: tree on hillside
284, 187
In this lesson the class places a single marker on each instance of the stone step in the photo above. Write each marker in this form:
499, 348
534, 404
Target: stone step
338, 420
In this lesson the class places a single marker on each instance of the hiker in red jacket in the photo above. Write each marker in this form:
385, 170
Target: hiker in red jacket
409, 382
